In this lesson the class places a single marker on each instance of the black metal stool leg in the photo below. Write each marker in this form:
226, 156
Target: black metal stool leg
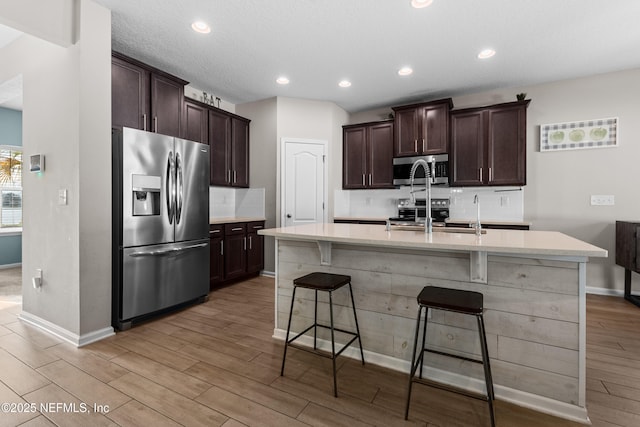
333, 346
412, 369
487, 368
355, 317
424, 338
286, 338
315, 320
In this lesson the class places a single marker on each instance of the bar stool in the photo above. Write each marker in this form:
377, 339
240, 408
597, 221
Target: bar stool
457, 301
325, 282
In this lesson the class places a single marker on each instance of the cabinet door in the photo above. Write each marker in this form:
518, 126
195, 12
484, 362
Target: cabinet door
354, 148
506, 145
467, 148
167, 97
380, 156
240, 152
216, 261
219, 143
406, 133
255, 252
195, 123
435, 130
235, 259
129, 95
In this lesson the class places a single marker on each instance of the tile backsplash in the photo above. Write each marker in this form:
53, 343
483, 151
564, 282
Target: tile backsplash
227, 202
496, 203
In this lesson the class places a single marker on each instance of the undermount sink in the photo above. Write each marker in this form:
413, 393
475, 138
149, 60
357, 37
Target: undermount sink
419, 226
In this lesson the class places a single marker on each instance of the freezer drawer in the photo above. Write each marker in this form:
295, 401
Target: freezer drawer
161, 276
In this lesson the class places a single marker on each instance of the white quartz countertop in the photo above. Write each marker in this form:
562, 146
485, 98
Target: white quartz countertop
550, 243
492, 222
232, 219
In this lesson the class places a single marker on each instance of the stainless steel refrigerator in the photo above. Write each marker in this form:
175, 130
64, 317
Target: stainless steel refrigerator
160, 224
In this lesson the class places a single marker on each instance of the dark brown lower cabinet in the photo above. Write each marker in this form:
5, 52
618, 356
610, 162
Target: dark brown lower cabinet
237, 251
216, 253
628, 254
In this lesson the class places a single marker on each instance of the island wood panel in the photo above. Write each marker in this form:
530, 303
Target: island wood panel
522, 310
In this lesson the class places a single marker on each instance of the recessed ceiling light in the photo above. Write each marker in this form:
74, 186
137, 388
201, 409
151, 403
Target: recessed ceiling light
201, 27
344, 83
487, 53
419, 4
282, 81
405, 71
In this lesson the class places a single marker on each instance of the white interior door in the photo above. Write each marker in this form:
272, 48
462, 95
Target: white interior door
303, 182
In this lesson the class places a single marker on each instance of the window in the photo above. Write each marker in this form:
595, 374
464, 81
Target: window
11, 186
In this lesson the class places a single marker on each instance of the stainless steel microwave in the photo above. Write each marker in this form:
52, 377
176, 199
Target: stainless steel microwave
438, 166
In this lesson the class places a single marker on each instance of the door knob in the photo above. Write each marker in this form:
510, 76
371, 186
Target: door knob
288, 215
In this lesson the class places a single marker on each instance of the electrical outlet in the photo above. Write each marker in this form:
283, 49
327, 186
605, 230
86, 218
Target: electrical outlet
602, 200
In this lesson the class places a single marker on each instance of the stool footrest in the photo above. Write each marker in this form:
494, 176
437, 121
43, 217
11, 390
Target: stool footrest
322, 353
442, 353
451, 388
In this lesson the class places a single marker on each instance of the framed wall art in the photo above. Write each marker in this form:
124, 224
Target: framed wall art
599, 133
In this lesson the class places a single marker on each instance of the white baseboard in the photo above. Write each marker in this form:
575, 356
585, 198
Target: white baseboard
70, 337
3, 266
517, 397
268, 273
603, 291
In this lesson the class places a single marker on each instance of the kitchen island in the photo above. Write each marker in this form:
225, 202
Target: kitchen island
534, 296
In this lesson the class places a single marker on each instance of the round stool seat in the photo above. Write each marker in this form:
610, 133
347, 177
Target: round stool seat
467, 302
322, 281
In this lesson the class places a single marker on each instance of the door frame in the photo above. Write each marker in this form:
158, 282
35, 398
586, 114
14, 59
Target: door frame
283, 162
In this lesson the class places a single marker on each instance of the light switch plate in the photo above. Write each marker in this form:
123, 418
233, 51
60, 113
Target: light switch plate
602, 200
62, 196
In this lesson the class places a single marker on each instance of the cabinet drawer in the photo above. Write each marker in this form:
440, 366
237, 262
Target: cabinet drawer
235, 228
254, 226
216, 230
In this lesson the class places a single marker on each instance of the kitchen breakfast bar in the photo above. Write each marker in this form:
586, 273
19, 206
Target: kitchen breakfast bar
533, 284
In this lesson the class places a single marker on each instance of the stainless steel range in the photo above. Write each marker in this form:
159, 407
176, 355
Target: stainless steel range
407, 211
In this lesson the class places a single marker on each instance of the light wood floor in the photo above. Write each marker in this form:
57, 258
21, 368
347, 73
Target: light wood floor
216, 364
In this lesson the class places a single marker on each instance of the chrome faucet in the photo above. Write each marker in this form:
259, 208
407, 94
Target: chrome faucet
428, 222
478, 226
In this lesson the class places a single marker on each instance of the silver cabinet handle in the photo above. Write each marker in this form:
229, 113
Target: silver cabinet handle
244, 241
480, 174
236, 229
214, 231
363, 184
250, 245
369, 179
257, 226
423, 149
229, 176
490, 175
144, 121
221, 247
155, 124
234, 177
415, 145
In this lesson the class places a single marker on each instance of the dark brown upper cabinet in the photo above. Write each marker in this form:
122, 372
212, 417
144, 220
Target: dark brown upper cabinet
145, 98
422, 128
489, 145
195, 122
367, 155
229, 142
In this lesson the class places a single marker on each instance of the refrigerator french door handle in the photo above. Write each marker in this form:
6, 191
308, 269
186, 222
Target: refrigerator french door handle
179, 189
167, 251
169, 192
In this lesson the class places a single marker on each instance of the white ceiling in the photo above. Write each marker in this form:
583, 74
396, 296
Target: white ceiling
10, 90
316, 43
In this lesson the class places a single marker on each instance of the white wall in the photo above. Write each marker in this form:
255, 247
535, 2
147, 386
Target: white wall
276, 118
559, 184
66, 117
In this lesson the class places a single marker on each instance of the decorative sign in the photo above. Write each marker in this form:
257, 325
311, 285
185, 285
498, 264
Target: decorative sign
600, 133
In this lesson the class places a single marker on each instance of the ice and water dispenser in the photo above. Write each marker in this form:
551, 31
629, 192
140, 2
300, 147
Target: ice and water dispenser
146, 195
